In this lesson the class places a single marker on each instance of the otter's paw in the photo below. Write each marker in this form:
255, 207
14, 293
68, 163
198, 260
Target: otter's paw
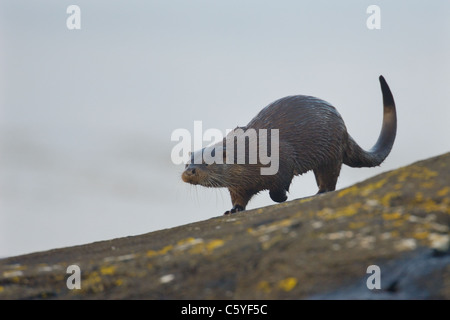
235, 209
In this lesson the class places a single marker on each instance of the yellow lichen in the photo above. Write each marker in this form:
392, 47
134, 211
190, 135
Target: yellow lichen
15, 279
398, 223
59, 277
425, 173
198, 248
118, 282
421, 235
395, 234
351, 190
386, 200
152, 253
428, 204
347, 211
366, 190
443, 192
419, 196
213, 244
287, 284
185, 241
427, 185
93, 282
414, 172
107, 270
392, 216
305, 200
356, 225
401, 174
270, 227
206, 248
264, 286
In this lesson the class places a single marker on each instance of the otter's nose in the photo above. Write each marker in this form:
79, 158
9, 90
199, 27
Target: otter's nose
188, 174
190, 171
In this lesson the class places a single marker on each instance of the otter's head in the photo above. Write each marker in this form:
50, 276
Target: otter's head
204, 171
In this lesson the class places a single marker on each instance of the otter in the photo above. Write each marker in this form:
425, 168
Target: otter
312, 136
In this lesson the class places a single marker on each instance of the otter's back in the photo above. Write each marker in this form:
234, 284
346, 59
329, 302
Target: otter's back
311, 130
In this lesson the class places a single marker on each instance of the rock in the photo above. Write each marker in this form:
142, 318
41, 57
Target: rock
319, 247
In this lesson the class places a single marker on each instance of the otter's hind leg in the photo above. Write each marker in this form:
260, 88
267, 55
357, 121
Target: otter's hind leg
278, 195
326, 177
278, 191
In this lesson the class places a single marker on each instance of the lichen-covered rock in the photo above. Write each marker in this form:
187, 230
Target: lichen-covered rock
319, 247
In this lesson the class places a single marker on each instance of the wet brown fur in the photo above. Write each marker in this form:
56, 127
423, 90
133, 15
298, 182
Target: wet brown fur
312, 136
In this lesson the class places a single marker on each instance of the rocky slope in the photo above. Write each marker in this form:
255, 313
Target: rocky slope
319, 248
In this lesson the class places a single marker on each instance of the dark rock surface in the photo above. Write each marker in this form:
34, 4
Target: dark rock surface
312, 248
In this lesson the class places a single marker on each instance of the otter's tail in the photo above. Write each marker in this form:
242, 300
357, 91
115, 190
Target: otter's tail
355, 156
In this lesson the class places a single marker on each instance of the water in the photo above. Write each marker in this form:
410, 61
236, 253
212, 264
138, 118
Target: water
413, 277
86, 115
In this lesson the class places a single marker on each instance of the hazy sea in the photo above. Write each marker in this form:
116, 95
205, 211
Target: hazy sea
86, 116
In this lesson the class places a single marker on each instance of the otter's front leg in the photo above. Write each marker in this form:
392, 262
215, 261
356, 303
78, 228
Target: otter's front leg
235, 209
239, 199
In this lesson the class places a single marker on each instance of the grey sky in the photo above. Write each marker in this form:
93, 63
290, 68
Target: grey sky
86, 115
